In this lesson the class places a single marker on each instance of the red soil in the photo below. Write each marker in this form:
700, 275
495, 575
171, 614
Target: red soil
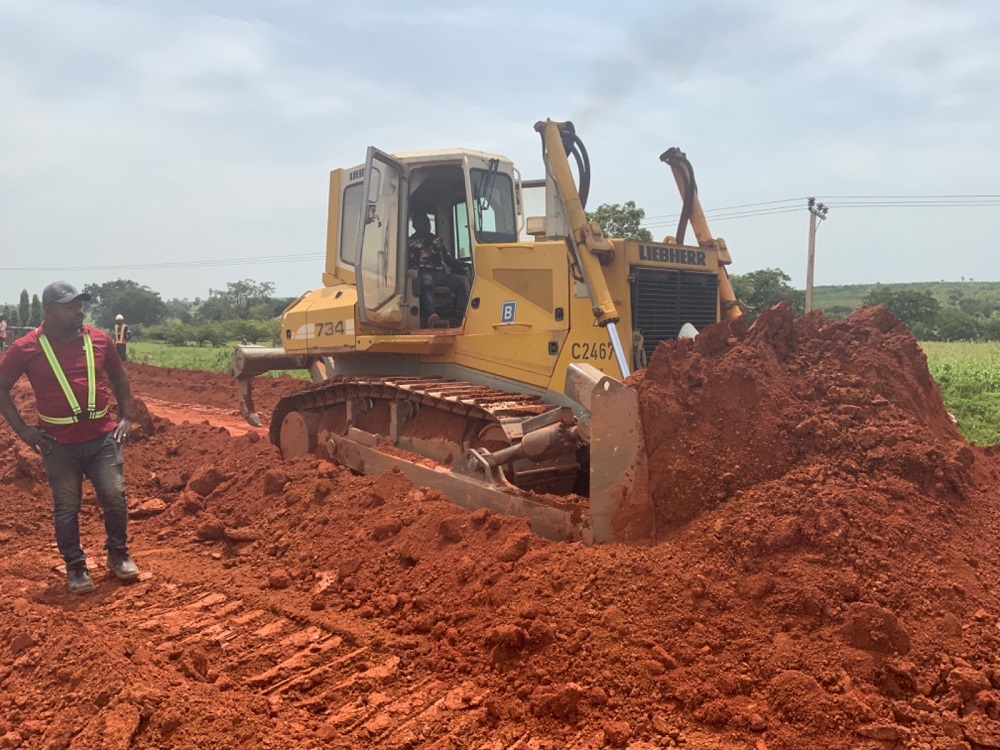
825, 577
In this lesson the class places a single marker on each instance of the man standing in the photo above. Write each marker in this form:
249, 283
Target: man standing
3, 334
122, 335
75, 434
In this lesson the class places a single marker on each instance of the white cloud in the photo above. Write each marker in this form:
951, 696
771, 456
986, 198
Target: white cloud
201, 130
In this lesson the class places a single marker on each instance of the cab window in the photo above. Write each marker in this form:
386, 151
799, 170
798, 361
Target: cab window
350, 216
495, 219
460, 226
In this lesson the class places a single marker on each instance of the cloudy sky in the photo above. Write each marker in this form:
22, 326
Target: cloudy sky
187, 144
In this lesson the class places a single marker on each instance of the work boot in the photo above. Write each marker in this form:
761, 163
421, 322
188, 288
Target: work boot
78, 579
121, 565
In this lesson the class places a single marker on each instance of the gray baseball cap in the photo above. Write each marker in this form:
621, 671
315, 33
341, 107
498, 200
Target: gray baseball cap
60, 292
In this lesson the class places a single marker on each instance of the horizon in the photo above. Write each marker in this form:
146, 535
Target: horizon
816, 288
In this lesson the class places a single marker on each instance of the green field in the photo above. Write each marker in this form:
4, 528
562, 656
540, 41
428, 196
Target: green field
945, 292
968, 373
211, 358
969, 376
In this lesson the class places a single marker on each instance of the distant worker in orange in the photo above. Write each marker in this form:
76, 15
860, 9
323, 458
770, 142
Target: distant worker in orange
121, 334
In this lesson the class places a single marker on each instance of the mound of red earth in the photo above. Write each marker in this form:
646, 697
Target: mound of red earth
734, 408
825, 576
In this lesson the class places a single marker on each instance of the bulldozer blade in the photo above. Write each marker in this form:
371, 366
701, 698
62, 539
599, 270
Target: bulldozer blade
358, 452
621, 506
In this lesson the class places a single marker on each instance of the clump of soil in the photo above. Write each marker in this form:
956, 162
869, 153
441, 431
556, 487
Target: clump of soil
831, 581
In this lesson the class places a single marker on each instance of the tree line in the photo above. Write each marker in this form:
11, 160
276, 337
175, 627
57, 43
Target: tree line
245, 309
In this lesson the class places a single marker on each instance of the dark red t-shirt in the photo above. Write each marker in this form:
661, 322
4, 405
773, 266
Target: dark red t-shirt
25, 357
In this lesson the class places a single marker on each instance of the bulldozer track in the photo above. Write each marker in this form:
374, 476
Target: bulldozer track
509, 410
445, 421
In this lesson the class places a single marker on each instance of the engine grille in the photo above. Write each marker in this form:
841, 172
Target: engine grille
664, 299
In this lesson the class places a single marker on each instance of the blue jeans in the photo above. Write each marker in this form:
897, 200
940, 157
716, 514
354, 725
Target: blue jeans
101, 461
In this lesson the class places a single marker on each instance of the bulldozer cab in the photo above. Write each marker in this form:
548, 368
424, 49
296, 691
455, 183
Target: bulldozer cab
469, 198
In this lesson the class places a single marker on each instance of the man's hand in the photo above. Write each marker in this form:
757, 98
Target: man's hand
122, 430
38, 439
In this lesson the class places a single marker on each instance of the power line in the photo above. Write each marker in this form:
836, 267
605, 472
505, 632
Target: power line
913, 204
747, 205
842, 201
719, 215
908, 197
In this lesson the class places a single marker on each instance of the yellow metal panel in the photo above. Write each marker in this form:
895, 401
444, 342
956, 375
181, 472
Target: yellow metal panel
534, 285
321, 321
429, 344
520, 355
506, 273
520, 349
535, 278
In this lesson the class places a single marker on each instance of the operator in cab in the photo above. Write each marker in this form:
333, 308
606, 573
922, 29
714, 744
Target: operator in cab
428, 255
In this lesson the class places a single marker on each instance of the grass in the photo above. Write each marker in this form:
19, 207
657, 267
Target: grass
211, 358
969, 376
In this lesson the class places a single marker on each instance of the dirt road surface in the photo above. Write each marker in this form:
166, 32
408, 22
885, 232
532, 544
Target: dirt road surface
825, 575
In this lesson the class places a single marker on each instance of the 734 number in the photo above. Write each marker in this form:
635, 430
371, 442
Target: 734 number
329, 329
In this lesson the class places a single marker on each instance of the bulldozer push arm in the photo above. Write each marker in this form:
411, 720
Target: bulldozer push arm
588, 247
692, 213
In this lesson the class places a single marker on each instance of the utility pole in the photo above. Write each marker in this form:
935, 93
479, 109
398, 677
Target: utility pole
816, 211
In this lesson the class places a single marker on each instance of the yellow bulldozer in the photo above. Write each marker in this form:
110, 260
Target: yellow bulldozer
514, 401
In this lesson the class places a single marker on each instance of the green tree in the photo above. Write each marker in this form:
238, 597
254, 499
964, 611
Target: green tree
621, 221
911, 307
991, 328
139, 304
954, 325
24, 309
35, 315
178, 309
975, 307
236, 300
271, 309
765, 288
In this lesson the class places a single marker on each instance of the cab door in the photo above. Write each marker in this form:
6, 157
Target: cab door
380, 261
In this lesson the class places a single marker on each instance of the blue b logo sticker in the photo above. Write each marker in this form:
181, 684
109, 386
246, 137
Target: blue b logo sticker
507, 311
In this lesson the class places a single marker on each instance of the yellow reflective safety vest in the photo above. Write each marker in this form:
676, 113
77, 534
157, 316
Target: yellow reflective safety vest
79, 414
120, 334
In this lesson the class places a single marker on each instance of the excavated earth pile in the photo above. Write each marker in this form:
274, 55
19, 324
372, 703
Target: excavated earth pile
825, 575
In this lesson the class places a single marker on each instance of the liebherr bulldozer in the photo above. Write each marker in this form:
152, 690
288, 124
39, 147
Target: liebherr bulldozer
516, 403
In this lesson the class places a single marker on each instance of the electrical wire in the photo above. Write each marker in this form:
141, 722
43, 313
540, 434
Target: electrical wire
788, 205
